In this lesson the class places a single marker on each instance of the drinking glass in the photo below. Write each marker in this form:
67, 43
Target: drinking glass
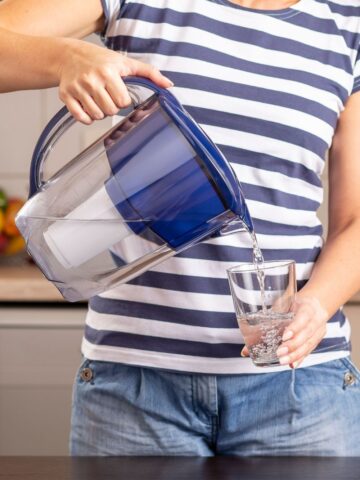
263, 296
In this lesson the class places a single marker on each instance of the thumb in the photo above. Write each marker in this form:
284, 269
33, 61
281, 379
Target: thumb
149, 71
244, 352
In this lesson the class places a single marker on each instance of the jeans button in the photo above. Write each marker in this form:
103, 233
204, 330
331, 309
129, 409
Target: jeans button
349, 379
86, 374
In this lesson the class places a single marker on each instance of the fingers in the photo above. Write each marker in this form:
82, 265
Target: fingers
303, 334
90, 107
94, 101
90, 81
76, 110
118, 92
145, 70
294, 356
105, 102
245, 352
297, 363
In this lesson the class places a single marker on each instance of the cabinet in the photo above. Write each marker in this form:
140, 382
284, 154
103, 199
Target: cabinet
39, 356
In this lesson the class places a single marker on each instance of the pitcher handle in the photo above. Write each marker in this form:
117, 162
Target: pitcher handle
63, 120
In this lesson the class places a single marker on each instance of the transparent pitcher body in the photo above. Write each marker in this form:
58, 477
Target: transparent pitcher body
140, 194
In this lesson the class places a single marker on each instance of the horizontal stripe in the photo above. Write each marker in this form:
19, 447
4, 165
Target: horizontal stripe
201, 301
182, 283
194, 36
293, 189
184, 81
325, 25
227, 106
235, 254
150, 51
275, 147
163, 313
268, 227
181, 316
262, 128
307, 42
187, 283
268, 163
187, 363
345, 9
208, 12
326, 9
184, 347
212, 268
336, 343
202, 64
167, 345
253, 189
161, 329
281, 215
268, 242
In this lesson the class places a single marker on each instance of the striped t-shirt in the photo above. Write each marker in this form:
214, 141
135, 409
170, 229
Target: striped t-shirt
267, 87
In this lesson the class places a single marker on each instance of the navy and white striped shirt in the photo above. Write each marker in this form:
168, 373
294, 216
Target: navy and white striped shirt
267, 86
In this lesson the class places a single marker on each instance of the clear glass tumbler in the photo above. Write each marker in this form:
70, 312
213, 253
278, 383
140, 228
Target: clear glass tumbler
263, 314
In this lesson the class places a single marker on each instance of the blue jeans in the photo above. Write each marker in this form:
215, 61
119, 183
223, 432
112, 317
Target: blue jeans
127, 410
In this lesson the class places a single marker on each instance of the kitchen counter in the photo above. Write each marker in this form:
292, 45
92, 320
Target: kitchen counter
180, 468
25, 283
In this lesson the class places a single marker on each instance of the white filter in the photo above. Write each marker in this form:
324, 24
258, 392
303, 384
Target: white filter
91, 228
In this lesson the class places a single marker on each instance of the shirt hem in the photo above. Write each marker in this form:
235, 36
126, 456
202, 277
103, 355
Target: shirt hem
191, 364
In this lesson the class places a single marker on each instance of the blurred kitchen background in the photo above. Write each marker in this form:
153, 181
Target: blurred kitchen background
40, 334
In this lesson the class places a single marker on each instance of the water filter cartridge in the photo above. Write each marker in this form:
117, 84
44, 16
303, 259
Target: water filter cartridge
90, 229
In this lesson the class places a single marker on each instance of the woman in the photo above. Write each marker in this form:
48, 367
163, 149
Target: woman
274, 83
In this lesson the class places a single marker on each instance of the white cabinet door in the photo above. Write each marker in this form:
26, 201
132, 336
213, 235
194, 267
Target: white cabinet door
39, 356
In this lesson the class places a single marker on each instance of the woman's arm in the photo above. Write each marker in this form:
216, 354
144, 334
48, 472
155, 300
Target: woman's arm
52, 18
40, 48
336, 274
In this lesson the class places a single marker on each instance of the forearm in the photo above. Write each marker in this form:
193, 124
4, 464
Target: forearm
30, 62
336, 274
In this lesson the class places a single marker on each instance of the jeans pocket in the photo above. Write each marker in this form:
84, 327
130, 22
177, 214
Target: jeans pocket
352, 369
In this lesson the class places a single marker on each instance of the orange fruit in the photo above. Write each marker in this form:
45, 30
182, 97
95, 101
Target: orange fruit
15, 245
13, 206
2, 220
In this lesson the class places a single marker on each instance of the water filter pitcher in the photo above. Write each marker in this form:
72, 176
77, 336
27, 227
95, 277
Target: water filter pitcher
149, 188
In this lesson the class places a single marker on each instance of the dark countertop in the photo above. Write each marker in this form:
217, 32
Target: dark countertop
179, 468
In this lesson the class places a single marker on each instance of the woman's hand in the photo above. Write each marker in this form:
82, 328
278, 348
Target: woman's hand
304, 333
90, 82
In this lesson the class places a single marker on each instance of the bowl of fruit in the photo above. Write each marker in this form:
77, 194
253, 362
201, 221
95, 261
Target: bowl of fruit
11, 241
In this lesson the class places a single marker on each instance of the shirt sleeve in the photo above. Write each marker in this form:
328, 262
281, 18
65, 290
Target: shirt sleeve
112, 10
356, 74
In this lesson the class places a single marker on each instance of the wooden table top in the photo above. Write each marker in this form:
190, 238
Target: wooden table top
179, 468
25, 283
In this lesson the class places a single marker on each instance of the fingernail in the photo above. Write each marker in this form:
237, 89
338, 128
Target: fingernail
294, 364
282, 351
242, 353
287, 335
284, 360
